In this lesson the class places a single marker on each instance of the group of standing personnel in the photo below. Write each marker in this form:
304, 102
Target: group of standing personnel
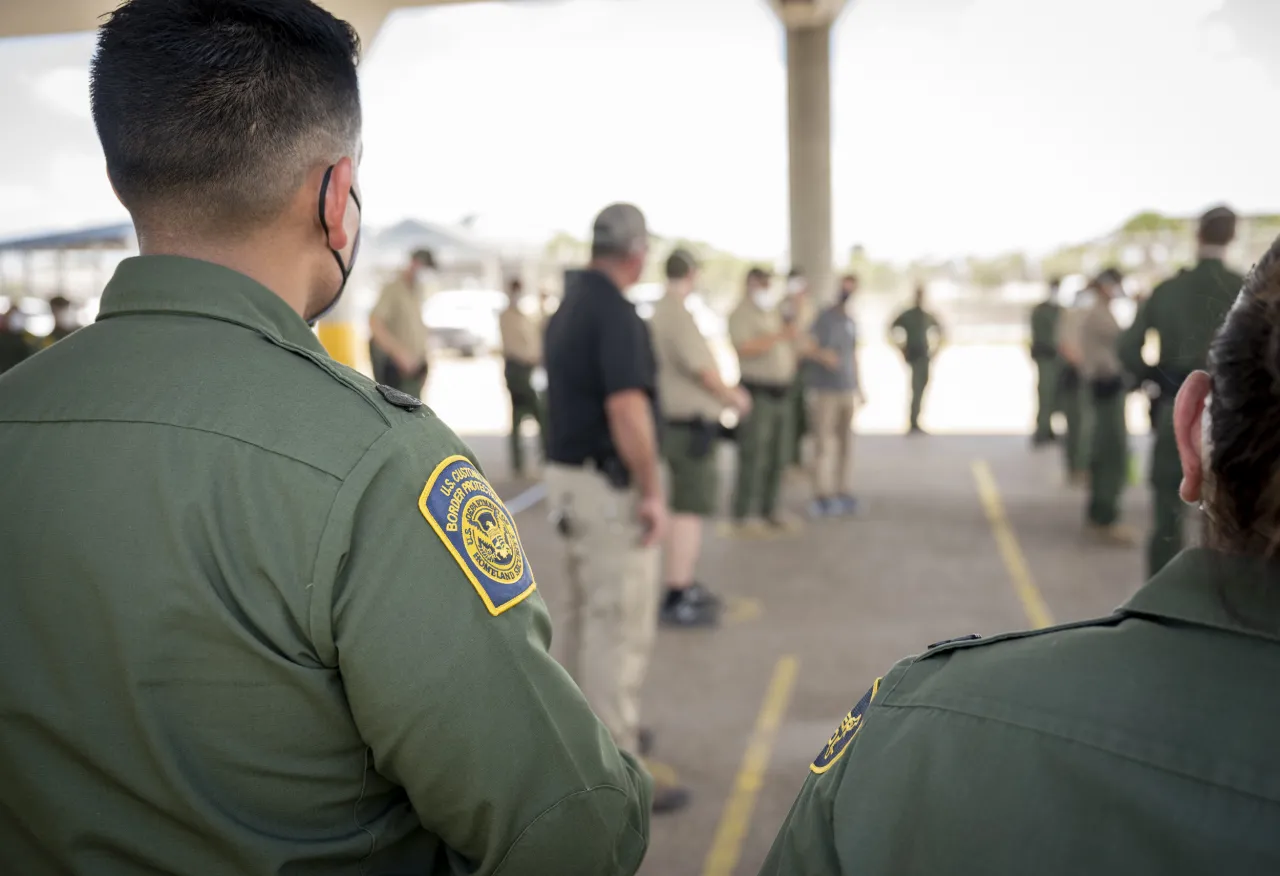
1087, 366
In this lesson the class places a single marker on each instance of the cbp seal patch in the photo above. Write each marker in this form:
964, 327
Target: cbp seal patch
844, 734
478, 531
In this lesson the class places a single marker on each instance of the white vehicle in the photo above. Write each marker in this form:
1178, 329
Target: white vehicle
464, 320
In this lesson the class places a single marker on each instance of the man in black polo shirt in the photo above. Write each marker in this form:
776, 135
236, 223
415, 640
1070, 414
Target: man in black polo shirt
603, 480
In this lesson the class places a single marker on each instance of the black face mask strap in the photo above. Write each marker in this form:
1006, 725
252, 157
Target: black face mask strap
324, 191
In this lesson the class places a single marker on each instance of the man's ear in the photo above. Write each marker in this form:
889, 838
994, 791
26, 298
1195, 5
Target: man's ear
337, 199
1188, 416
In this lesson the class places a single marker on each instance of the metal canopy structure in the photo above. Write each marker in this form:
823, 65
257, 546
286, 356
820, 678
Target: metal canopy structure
118, 236
808, 24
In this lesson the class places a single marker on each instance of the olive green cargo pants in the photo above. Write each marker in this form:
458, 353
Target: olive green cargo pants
919, 382
1075, 403
1109, 459
764, 439
525, 403
1049, 374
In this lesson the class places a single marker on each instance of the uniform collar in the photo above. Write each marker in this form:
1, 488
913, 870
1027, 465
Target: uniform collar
1232, 592
190, 287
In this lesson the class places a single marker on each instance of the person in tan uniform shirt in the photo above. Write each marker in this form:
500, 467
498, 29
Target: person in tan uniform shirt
693, 395
1104, 376
398, 335
522, 352
767, 354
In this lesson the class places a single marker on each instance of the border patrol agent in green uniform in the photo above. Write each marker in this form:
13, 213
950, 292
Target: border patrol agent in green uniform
269, 617
1139, 743
1185, 312
766, 345
918, 345
1044, 352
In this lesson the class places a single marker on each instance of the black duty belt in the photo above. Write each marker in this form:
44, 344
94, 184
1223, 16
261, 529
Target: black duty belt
1107, 387
767, 389
1044, 351
612, 467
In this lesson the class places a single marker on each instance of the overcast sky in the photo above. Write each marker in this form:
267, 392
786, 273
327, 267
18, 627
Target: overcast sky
959, 125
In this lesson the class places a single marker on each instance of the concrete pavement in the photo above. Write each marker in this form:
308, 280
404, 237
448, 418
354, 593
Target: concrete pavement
841, 601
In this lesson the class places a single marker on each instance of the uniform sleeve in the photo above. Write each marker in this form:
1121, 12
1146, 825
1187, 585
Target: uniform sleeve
739, 328
1134, 338
449, 677
625, 353
690, 348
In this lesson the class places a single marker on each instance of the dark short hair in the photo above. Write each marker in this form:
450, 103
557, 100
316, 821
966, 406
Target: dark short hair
515, 284
424, 257
212, 112
1242, 500
59, 302
1110, 275
1217, 227
758, 274
680, 264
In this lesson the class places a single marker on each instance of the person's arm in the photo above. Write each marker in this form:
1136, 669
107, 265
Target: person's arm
626, 368
1133, 339
630, 415
762, 344
806, 843
426, 611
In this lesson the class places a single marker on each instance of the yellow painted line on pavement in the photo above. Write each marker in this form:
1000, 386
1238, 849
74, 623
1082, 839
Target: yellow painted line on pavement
740, 609
735, 821
1014, 561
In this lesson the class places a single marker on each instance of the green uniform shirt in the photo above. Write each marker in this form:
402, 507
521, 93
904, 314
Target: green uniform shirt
1141, 743
1186, 311
1044, 329
916, 323
260, 620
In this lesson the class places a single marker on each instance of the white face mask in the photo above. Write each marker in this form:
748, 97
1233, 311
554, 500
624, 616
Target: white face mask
423, 276
763, 299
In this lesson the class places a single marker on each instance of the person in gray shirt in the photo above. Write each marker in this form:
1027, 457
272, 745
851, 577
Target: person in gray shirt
833, 393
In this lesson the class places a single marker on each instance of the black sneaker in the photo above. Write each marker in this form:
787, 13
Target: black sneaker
699, 593
686, 611
669, 798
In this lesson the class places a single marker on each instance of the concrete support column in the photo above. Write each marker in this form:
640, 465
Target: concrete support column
809, 128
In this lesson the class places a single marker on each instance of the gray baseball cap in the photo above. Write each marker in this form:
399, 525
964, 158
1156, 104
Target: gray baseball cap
620, 228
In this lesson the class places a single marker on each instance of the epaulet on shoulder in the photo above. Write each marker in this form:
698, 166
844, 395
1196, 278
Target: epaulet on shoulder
963, 643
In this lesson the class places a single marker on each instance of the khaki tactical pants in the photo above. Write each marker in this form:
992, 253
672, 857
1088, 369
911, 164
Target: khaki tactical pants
831, 418
613, 595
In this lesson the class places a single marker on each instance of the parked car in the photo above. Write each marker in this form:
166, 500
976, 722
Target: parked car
464, 321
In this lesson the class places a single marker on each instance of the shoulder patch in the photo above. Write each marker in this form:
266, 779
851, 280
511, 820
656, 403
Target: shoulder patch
398, 398
844, 734
479, 532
